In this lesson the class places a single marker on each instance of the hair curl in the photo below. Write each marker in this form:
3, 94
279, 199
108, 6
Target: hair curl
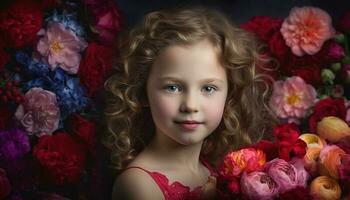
246, 116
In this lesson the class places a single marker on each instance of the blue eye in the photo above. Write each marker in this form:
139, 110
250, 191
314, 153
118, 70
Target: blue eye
209, 89
172, 88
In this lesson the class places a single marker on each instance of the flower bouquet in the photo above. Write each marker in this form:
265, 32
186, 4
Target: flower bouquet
54, 58
310, 155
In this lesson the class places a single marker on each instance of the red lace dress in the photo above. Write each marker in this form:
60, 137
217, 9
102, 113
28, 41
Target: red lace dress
178, 191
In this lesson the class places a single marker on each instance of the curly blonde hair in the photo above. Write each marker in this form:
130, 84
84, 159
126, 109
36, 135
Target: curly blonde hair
246, 117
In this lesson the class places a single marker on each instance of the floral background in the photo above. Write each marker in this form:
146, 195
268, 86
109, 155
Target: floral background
55, 56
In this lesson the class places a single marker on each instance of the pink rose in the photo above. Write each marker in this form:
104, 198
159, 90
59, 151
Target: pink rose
292, 98
286, 175
258, 186
39, 114
61, 47
306, 29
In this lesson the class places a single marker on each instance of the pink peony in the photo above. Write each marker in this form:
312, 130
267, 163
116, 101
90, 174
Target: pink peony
247, 160
61, 47
306, 29
292, 98
286, 175
258, 185
330, 161
39, 114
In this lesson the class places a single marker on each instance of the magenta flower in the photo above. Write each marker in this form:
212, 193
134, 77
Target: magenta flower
61, 47
286, 175
292, 98
259, 186
39, 114
306, 29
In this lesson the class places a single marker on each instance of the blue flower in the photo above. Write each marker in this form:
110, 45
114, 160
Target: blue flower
34, 67
69, 20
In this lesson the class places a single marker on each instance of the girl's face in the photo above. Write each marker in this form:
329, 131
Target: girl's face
187, 89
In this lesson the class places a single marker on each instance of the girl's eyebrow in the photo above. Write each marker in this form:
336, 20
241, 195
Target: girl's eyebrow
207, 80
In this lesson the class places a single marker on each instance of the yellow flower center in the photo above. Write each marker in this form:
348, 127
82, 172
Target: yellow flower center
56, 46
293, 99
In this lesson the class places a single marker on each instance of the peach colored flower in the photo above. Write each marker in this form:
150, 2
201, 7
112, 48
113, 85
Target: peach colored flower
306, 29
325, 188
247, 160
39, 114
292, 98
330, 160
333, 129
61, 47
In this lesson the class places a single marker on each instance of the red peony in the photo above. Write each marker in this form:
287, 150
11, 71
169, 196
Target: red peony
20, 23
288, 142
265, 27
95, 66
62, 158
269, 148
85, 130
278, 48
324, 108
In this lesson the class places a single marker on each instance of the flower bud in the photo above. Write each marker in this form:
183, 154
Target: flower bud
333, 129
327, 76
325, 188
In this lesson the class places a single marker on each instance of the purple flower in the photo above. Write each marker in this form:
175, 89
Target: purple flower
39, 114
14, 144
258, 185
335, 52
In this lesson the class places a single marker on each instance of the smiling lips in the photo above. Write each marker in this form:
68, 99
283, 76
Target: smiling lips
189, 124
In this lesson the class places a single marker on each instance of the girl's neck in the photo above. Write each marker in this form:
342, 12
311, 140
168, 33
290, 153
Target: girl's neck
179, 156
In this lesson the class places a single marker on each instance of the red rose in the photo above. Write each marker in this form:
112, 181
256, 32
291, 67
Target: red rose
324, 108
5, 186
62, 158
288, 142
95, 66
20, 23
85, 130
263, 26
278, 48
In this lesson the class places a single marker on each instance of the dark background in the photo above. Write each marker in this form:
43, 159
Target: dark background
239, 10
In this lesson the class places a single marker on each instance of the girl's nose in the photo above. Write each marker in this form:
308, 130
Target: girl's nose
189, 104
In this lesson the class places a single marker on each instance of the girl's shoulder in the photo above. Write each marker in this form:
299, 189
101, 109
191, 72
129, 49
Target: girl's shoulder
136, 183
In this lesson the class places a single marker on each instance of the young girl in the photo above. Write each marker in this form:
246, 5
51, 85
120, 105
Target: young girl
186, 92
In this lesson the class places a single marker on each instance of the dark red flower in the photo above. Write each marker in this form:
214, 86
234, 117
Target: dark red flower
20, 23
84, 130
310, 74
5, 118
278, 48
263, 26
5, 186
269, 148
299, 193
344, 23
108, 19
62, 158
4, 56
95, 66
344, 144
324, 108
286, 139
